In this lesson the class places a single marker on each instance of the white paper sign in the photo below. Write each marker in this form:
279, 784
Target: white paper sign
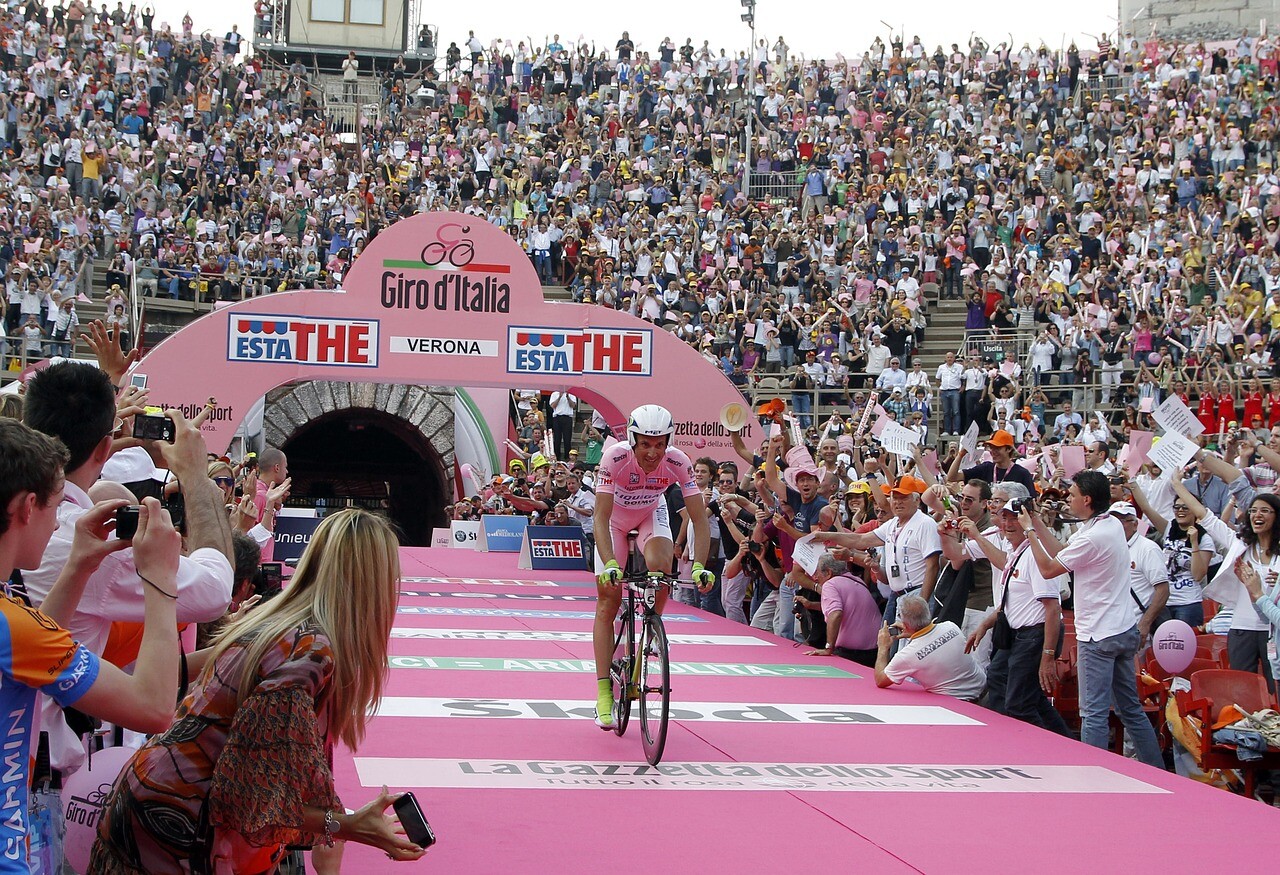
1171, 453
969, 443
806, 554
898, 439
1174, 416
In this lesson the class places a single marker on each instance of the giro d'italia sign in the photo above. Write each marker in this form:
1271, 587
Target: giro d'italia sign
446, 300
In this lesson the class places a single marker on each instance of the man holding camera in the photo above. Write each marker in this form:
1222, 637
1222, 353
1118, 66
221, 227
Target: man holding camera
931, 654
1107, 634
76, 403
1024, 624
39, 653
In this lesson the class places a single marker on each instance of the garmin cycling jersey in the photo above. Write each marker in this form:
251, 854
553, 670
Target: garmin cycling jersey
35, 654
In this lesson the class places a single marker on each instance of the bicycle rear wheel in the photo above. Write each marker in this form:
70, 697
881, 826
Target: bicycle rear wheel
624, 657
655, 688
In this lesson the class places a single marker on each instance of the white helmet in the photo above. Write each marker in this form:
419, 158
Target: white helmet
650, 420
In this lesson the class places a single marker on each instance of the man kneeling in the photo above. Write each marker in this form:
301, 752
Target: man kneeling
931, 654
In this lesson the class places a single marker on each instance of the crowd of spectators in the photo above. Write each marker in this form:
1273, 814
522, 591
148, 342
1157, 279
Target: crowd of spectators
1112, 208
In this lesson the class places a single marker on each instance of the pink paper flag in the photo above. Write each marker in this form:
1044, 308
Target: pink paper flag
1072, 459
1139, 444
930, 462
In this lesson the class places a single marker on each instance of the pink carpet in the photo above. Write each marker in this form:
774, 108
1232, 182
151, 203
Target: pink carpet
775, 761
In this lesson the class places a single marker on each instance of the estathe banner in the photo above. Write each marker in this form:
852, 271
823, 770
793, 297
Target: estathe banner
439, 299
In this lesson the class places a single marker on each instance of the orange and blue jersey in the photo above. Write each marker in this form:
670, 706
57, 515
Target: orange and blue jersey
36, 654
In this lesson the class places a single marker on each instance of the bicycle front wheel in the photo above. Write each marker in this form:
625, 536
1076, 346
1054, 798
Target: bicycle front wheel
655, 688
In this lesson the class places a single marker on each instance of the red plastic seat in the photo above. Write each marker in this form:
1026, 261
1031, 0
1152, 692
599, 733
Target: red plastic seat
1215, 644
1211, 691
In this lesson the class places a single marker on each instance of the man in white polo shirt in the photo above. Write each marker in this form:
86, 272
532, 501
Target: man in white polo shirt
1107, 637
950, 384
1023, 668
910, 542
1148, 573
931, 654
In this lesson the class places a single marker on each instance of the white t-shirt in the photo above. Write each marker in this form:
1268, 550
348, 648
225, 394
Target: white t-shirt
906, 547
935, 659
949, 376
1147, 570
1027, 586
1098, 555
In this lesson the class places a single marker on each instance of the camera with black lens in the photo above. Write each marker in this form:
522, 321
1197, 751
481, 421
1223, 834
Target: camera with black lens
1021, 504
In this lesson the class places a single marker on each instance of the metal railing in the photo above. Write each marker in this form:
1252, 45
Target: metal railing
207, 294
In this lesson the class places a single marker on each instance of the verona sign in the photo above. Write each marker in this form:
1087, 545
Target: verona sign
438, 299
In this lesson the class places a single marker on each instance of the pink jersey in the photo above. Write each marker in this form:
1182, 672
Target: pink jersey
620, 475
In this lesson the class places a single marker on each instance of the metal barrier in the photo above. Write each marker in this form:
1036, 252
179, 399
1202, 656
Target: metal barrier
999, 346
775, 189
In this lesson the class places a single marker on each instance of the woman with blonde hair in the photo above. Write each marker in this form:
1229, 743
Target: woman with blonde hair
245, 769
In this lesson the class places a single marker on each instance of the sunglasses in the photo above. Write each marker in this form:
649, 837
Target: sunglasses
225, 481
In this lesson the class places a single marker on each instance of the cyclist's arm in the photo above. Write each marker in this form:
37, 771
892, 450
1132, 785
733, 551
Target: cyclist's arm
696, 508
601, 527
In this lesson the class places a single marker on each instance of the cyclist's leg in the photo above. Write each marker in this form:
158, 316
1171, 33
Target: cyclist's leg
655, 542
608, 599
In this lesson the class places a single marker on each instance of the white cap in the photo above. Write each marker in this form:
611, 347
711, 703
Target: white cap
1123, 508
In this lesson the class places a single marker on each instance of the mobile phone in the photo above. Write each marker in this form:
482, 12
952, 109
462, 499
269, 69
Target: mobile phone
127, 522
153, 428
415, 825
272, 575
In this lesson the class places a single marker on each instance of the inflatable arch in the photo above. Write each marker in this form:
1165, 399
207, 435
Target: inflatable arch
439, 299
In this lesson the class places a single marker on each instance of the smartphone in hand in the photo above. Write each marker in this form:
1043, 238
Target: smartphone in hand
415, 824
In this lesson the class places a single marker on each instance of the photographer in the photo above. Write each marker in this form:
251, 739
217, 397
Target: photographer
1024, 627
753, 564
1106, 633
76, 403
41, 655
931, 654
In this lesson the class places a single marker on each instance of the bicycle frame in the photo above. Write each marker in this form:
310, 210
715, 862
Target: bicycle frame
641, 665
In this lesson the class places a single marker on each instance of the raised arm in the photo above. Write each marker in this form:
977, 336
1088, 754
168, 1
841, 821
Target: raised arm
1140, 499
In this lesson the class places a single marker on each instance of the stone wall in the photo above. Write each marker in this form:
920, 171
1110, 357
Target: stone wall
1197, 19
429, 409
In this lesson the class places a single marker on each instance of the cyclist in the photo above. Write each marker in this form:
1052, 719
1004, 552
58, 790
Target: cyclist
630, 486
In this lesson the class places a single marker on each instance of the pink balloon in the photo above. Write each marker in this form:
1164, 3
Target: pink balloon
83, 797
1175, 645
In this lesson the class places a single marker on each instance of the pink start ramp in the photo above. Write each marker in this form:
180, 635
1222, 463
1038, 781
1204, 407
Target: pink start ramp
775, 761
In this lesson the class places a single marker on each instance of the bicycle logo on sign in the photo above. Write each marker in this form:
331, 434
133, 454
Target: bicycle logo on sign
449, 245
